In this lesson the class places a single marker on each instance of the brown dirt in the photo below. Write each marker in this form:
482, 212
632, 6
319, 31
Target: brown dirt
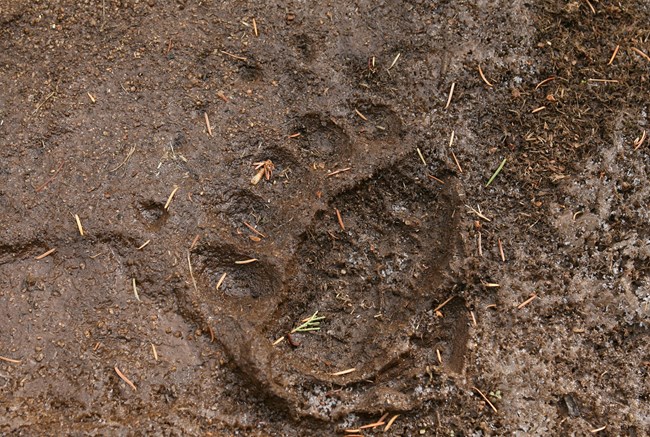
570, 209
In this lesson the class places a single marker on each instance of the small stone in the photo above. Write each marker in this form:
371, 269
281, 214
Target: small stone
572, 406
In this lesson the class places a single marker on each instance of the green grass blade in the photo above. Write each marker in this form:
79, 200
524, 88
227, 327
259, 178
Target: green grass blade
496, 172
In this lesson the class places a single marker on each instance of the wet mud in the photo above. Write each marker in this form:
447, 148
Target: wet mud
154, 277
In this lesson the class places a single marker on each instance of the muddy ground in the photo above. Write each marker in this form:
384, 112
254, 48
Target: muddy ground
515, 308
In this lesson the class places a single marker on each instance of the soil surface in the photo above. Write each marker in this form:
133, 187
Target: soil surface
184, 184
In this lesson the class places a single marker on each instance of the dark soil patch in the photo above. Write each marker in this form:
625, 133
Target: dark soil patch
372, 217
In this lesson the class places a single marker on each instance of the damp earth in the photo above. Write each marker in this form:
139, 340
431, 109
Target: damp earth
155, 279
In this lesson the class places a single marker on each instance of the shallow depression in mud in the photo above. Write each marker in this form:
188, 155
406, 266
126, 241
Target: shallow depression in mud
375, 273
371, 265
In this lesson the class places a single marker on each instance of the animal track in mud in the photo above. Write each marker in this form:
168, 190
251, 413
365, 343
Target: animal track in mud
381, 267
245, 280
284, 161
375, 282
233, 208
375, 279
247, 205
250, 73
322, 137
152, 214
305, 46
382, 122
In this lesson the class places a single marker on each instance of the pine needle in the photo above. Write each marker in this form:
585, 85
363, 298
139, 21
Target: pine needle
496, 172
311, 323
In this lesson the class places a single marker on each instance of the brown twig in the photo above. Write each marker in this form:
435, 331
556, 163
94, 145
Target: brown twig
638, 142
189, 264
171, 196
49, 96
9, 360
344, 372
478, 213
335, 172
135, 291
480, 71
421, 156
207, 123
527, 301
614, 55
545, 81
78, 220
372, 425
221, 279
338, 216
503, 256
43, 255
249, 226
56, 172
486, 399
460, 169
443, 304
128, 156
264, 169
222, 96
647, 58
451, 93
394, 61
451, 142
603, 80
241, 58
390, 422
124, 378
